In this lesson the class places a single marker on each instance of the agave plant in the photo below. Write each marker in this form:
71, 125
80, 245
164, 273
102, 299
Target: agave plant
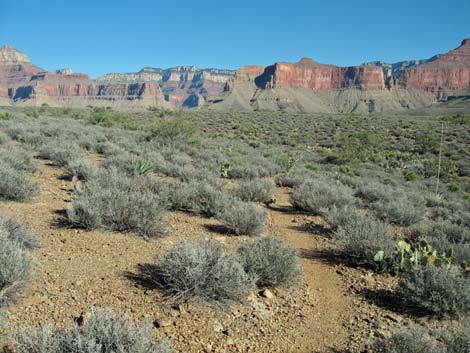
142, 167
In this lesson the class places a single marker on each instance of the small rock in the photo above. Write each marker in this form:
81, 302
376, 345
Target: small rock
218, 327
266, 293
165, 322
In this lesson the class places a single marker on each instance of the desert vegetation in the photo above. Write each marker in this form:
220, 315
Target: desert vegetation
385, 196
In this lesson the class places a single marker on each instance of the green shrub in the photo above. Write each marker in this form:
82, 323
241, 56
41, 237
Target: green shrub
453, 187
119, 202
363, 237
201, 272
242, 218
315, 194
270, 261
15, 185
411, 176
257, 190
437, 290
104, 332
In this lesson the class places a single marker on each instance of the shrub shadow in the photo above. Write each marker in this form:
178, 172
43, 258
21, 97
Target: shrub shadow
331, 257
147, 276
314, 228
219, 229
391, 301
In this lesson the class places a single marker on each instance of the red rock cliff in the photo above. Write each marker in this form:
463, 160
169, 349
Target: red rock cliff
310, 74
449, 71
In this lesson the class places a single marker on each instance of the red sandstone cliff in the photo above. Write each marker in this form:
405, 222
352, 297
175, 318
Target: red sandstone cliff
449, 71
310, 74
22, 81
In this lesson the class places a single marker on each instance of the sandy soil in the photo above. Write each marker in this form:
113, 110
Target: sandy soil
76, 270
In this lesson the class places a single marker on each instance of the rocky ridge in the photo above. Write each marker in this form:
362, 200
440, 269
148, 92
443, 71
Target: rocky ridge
311, 86
306, 85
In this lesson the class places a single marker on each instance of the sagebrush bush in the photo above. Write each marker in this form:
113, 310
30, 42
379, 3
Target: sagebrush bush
119, 202
201, 272
270, 261
104, 332
457, 337
14, 266
242, 218
18, 233
60, 152
374, 191
18, 158
293, 178
402, 210
411, 340
197, 196
80, 167
339, 216
454, 339
437, 290
256, 190
15, 185
315, 194
363, 237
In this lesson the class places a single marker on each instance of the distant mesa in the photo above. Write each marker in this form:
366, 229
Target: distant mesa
306, 85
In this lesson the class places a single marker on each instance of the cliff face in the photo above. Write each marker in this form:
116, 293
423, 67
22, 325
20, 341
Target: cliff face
20, 81
180, 85
312, 75
449, 71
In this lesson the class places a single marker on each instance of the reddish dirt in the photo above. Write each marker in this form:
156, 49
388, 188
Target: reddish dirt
76, 270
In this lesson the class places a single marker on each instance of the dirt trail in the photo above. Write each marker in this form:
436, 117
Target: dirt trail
75, 270
333, 307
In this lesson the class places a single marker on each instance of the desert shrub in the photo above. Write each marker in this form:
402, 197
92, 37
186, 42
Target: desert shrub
80, 167
4, 138
256, 190
14, 266
104, 332
441, 229
242, 218
18, 158
437, 290
363, 237
119, 202
60, 152
401, 210
456, 339
339, 216
270, 261
197, 196
15, 185
201, 272
316, 194
375, 191
411, 340
293, 178
18, 233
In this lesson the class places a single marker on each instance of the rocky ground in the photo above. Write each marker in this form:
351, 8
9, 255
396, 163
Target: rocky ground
338, 308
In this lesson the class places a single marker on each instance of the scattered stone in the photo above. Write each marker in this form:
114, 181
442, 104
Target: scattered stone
164, 322
266, 293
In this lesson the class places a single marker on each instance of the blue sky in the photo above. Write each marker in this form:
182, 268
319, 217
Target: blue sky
101, 36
